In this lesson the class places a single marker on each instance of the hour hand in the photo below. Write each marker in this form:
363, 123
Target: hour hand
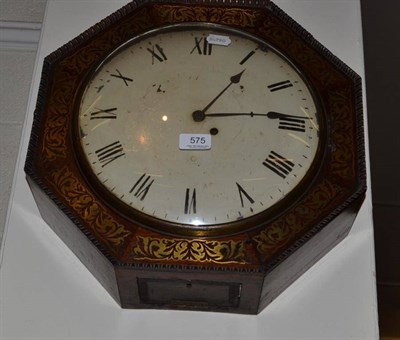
199, 115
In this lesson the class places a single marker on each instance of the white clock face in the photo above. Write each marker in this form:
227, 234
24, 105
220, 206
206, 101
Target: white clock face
198, 133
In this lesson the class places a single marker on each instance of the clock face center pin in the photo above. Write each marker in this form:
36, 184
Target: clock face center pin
198, 116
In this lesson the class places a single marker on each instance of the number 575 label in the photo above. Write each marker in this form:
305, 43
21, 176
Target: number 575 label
194, 141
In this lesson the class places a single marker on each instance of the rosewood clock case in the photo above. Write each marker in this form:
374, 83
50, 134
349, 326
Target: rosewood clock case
238, 268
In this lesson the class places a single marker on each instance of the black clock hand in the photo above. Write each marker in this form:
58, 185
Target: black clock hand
234, 80
220, 114
199, 115
270, 114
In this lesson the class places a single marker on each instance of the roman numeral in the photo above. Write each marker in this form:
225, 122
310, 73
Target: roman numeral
289, 122
142, 186
157, 53
104, 114
120, 76
110, 153
206, 49
280, 86
190, 202
293, 124
247, 57
278, 164
242, 193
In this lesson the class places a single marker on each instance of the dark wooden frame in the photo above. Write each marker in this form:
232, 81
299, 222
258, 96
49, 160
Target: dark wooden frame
264, 260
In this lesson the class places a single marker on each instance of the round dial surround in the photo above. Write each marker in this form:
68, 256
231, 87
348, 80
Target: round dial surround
253, 105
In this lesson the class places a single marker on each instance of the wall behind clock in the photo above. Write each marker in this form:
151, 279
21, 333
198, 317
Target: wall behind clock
20, 24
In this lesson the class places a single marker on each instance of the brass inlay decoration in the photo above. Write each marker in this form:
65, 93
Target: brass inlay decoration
227, 16
91, 211
343, 154
286, 230
148, 248
58, 118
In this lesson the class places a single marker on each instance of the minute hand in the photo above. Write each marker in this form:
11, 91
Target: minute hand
270, 114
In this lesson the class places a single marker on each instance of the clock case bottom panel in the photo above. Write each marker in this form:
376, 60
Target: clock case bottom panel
195, 288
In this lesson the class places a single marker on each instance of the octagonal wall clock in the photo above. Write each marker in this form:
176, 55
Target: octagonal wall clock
197, 155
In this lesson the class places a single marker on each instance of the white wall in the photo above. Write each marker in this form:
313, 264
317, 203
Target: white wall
20, 24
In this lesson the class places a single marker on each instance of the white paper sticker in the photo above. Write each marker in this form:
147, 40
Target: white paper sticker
216, 39
194, 141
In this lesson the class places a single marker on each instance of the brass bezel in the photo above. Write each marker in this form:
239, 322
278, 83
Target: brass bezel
189, 230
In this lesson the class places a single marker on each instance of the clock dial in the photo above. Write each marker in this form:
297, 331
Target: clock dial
198, 133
